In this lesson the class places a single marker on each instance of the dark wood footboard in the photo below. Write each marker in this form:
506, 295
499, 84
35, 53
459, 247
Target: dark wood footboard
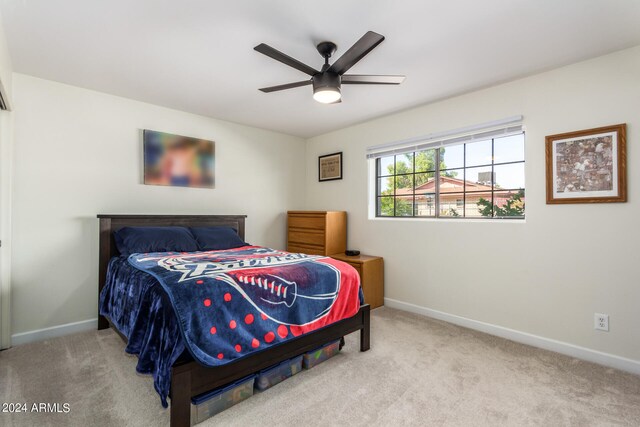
190, 379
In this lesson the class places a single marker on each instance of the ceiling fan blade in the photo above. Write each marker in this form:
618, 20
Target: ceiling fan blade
356, 52
361, 79
287, 86
285, 59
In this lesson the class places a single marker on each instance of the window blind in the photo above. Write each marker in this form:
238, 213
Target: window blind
495, 129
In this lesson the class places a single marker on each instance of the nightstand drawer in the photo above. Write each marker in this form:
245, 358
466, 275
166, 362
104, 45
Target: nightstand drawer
306, 237
358, 268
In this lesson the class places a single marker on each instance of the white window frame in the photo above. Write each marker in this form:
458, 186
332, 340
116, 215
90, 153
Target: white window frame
481, 132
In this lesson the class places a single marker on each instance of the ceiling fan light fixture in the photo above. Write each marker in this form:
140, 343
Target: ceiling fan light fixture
326, 87
329, 79
327, 95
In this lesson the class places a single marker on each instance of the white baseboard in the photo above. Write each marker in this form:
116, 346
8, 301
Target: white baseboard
53, 332
611, 360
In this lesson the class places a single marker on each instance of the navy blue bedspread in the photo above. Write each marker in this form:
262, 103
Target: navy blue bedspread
139, 308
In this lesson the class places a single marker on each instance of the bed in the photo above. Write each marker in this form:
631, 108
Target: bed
188, 378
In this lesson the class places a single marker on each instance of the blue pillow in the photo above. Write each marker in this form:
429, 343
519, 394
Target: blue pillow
217, 238
131, 240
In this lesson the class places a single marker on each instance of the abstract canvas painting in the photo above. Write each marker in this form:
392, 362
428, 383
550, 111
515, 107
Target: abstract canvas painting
178, 160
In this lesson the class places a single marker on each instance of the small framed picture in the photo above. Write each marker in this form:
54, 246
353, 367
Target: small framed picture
330, 167
587, 166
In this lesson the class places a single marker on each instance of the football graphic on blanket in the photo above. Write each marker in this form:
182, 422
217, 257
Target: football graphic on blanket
274, 282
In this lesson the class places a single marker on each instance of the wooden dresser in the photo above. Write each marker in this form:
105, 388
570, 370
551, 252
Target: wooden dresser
371, 270
316, 232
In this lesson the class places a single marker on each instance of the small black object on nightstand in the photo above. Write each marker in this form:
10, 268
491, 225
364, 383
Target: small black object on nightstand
352, 253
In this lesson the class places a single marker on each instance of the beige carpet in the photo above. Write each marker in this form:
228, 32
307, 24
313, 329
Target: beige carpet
418, 372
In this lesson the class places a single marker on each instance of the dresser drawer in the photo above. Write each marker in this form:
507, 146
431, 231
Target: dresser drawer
305, 249
314, 222
306, 237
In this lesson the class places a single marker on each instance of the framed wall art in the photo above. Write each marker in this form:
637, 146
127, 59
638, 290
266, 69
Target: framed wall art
587, 166
176, 160
330, 167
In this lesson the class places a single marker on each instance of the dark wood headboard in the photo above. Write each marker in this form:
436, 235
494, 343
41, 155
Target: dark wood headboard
111, 223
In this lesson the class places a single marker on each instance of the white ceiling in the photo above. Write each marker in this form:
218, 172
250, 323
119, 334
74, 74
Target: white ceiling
197, 55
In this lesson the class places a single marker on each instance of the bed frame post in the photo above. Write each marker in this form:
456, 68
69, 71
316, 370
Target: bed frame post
103, 323
365, 340
180, 396
105, 256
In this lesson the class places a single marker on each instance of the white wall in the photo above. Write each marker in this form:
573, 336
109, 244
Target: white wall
546, 276
78, 153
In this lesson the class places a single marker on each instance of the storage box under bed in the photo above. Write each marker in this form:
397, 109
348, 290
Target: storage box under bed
211, 403
319, 355
269, 377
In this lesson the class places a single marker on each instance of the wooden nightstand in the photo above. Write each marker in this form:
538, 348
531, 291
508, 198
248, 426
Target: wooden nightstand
371, 270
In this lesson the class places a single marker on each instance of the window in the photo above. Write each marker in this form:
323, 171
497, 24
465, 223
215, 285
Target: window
477, 179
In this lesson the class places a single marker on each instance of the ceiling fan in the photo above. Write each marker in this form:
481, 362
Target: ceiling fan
327, 82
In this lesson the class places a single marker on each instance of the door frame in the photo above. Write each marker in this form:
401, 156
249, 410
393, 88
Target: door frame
6, 163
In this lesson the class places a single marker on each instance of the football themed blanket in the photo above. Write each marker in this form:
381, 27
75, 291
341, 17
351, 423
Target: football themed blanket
233, 302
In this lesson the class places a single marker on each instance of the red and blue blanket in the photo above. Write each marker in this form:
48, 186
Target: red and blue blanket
233, 302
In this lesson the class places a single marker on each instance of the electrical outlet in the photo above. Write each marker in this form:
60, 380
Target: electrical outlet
601, 322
